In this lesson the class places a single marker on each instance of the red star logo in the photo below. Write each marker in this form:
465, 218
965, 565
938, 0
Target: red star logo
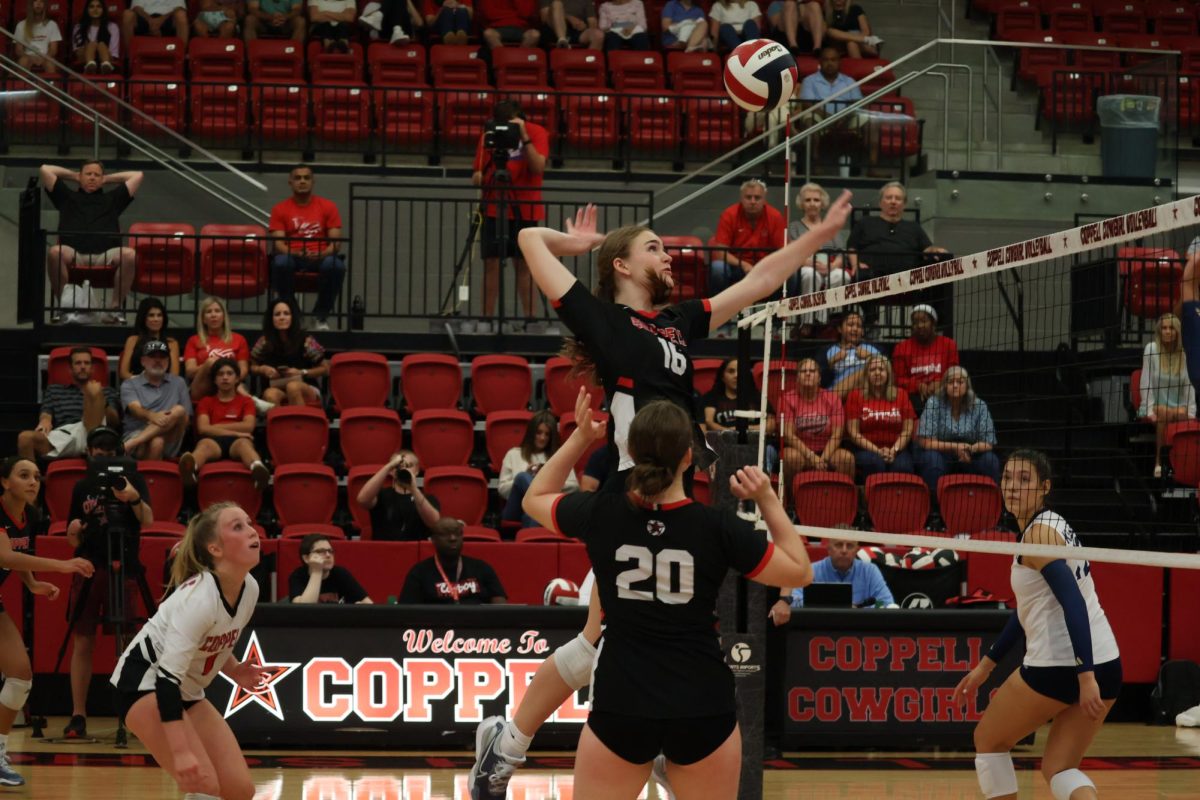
265, 694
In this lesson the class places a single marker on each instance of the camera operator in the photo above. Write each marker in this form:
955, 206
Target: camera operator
405, 513
108, 509
510, 161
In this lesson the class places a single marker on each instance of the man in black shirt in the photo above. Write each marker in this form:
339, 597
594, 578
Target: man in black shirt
888, 243
90, 220
402, 513
319, 580
449, 576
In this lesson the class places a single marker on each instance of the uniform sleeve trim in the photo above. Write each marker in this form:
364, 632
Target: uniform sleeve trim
707, 305
554, 514
763, 563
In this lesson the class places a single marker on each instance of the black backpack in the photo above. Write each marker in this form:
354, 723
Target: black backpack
1178, 689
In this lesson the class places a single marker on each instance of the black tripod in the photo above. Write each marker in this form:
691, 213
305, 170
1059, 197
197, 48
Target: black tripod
116, 611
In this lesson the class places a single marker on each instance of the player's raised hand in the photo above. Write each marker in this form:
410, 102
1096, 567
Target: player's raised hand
582, 236
585, 417
839, 212
749, 483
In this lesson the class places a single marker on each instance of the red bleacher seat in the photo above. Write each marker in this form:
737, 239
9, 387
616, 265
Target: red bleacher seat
562, 388
695, 72
1187, 98
969, 503
1151, 277
404, 115
897, 503
330, 68
1120, 16
520, 67
688, 267
430, 380
228, 480
824, 499
1034, 64
504, 430
877, 70
591, 120
165, 528
1016, 22
166, 257
220, 110
281, 113
637, 71
1185, 453
341, 113
540, 535
1146, 41
369, 435
217, 59
1172, 18
457, 65
35, 114
164, 101
1070, 97
278, 61
465, 98
61, 476
1093, 59
297, 435
99, 95
899, 133
711, 121
397, 66
355, 480
783, 379
1069, 15
233, 267
1184, 611
359, 380
153, 57
302, 529
166, 489
461, 491
501, 383
478, 533
442, 437
58, 365
304, 493
704, 374
574, 70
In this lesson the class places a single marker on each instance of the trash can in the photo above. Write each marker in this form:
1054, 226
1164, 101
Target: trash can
1128, 135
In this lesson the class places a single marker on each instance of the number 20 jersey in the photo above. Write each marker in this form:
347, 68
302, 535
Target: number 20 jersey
658, 572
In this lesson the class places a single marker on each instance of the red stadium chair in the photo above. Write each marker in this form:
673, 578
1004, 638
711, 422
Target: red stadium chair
58, 366
637, 70
591, 121
1069, 15
1152, 277
397, 66
705, 374
1093, 59
220, 110
281, 112
562, 388
701, 487
1145, 41
297, 435
899, 133
520, 68
824, 499
99, 95
877, 70
166, 489
359, 380
541, 535
305, 493
163, 528
442, 437
1016, 22
696, 72
217, 59
1173, 18
502, 431
466, 98
404, 115
330, 68
156, 57
897, 503
478, 533
783, 378
300, 530
688, 267
227, 480
574, 70
166, 257
1185, 453
276, 61
462, 492
370, 435
61, 476
1120, 16
233, 267
969, 503
342, 113
500, 383
430, 380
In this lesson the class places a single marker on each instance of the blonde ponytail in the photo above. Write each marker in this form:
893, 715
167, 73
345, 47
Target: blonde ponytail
192, 556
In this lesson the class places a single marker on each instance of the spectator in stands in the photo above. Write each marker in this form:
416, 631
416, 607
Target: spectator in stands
523, 461
96, 39
595, 471
290, 359
69, 412
1167, 395
955, 434
732, 22
889, 243
37, 37
718, 405
512, 22
87, 531
624, 25
319, 580
390, 18
155, 18
91, 219
787, 16
331, 22
150, 323
813, 422
847, 27
847, 357
403, 513
430, 582
225, 429
305, 227
880, 422
751, 228
220, 18
450, 20
157, 406
826, 268
275, 19
684, 27
923, 358
843, 565
214, 339
572, 22
848, 136
526, 167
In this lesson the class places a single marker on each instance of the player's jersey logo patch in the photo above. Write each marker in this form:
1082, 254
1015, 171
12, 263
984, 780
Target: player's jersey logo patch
656, 527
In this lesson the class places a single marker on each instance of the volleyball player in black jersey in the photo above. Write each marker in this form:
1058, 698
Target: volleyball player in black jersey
21, 481
661, 683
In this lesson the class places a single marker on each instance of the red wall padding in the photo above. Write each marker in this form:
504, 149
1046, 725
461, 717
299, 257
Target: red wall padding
1132, 601
1183, 630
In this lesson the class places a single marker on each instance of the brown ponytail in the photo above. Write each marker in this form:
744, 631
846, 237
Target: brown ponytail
193, 557
659, 437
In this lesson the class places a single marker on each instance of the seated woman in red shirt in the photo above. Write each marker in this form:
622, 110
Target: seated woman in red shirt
214, 339
813, 421
225, 428
922, 359
880, 422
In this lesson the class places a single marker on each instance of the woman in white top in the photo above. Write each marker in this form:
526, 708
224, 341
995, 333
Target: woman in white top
624, 25
37, 38
732, 22
96, 40
521, 462
162, 675
826, 268
1167, 394
1071, 672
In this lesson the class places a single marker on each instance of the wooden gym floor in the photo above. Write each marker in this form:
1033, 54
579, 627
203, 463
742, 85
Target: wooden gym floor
1127, 761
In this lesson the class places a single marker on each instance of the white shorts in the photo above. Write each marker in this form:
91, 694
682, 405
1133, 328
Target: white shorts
68, 441
110, 256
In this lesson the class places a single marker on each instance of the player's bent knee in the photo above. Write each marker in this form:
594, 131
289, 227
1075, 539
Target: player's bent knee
996, 774
574, 662
15, 692
1063, 784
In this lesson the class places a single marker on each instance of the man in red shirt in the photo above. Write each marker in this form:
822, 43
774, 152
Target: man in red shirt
523, 207
921, 360
751, 228
509, 22
305, 228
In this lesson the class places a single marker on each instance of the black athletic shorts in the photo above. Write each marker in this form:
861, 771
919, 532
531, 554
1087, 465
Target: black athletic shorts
1062, 683
683, 741
225, 443
125, 701
489, 238
142, 28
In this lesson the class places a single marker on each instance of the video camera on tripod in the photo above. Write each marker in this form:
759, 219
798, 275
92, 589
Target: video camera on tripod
501, 135
110, 517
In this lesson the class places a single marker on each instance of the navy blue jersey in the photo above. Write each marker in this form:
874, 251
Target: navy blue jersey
658, 571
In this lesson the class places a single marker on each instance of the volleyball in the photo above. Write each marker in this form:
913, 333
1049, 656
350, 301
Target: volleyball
760, 75
561, 592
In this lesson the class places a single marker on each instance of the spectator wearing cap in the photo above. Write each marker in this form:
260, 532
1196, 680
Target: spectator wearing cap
157, 406
448, 577
922, 359
69, 411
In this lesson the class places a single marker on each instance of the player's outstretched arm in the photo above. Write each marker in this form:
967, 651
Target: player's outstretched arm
547, 484
789, 566
770, 273
543, 247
